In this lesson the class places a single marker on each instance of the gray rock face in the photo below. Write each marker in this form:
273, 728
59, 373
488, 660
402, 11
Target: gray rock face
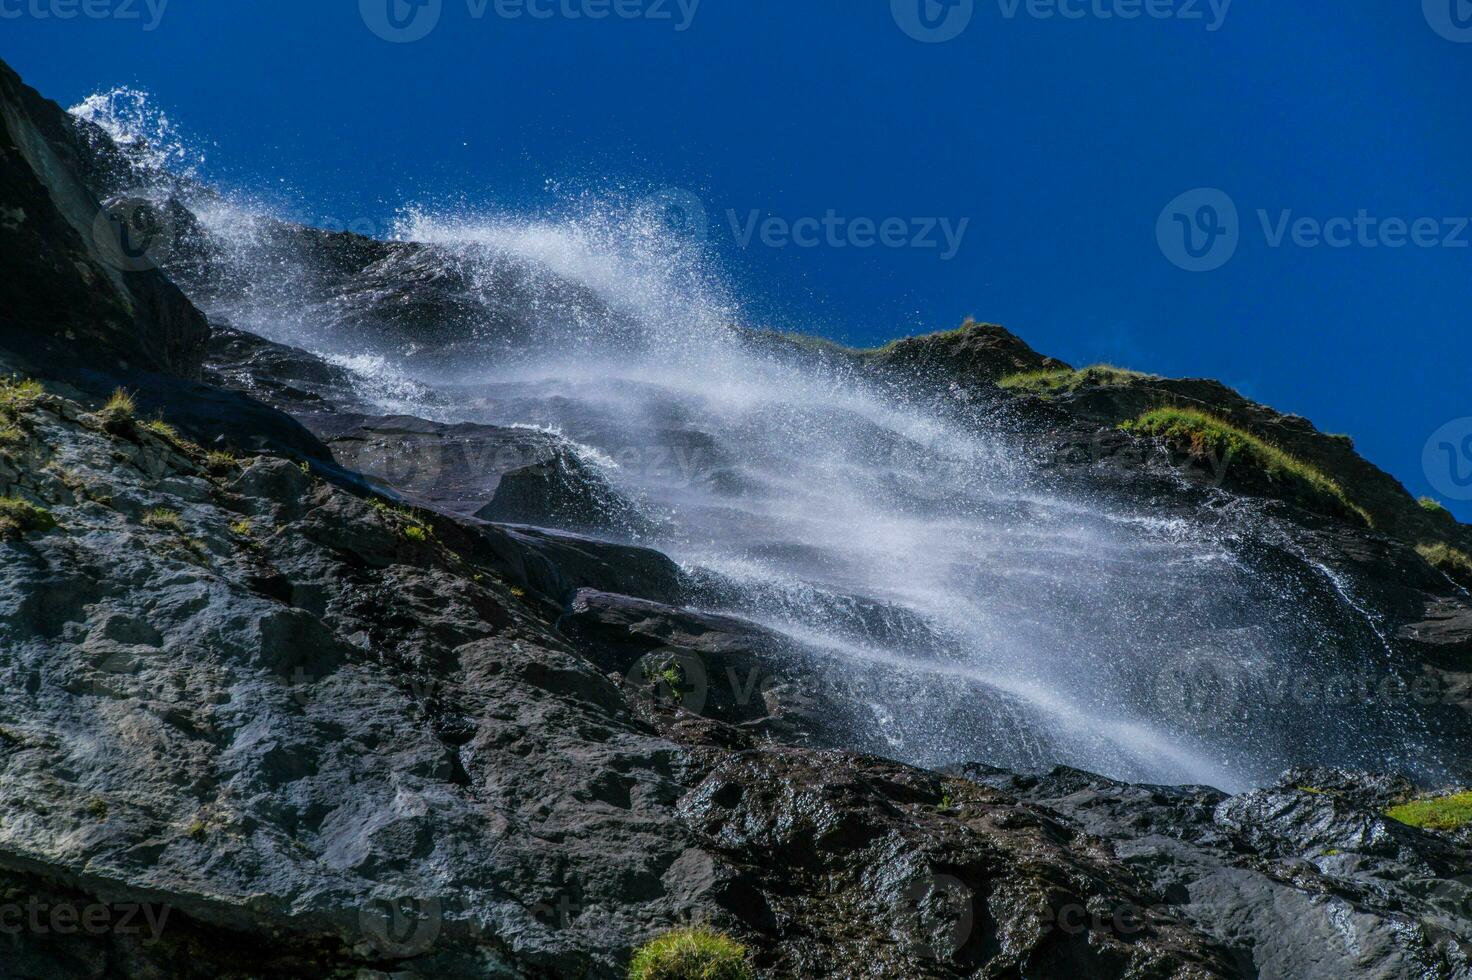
278, 706
81, 285
267, 706
1298, 880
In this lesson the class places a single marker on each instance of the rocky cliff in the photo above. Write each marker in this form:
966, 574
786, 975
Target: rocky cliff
291, 687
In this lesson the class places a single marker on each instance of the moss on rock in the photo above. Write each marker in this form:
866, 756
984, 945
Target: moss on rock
1435, 813
699, 953
1204, 435
20, 517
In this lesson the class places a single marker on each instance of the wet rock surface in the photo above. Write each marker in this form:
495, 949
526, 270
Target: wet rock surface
1306, 878
80, 285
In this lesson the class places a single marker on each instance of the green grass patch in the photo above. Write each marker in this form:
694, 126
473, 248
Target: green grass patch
162, 429
163, 519
119, 408
1207, 436
19, 517
1432, 506
699, 953
1452, 561
405, 519
218, 462
17, 397
1061, 380
1438, 813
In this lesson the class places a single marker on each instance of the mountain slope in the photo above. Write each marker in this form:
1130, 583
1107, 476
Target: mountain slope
323, 722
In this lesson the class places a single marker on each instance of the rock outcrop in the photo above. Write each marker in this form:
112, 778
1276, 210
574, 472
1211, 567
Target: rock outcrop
82, 287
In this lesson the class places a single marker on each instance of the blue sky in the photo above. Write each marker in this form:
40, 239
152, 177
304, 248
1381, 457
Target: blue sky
1063, 142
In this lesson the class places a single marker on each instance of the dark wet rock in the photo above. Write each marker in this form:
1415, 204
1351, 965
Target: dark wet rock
81, 287
966, 880
1296, 880
718, 667
457, 467
284, 377
563, 491
972, 353
558, 563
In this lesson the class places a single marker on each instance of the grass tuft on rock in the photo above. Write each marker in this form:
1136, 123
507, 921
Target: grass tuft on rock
1207, 436
163, 519
1432, 506
699, 953
119, 408
1453, 561
1436, 813
406, 520
219, 462
20, 517
17, 397
1060, 380
162, 429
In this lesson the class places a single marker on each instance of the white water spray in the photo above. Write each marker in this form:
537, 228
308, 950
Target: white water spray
974, 612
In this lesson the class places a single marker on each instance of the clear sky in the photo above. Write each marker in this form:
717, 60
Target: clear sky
1062, 132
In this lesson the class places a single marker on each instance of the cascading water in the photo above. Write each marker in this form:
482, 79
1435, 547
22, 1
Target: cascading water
972, 611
